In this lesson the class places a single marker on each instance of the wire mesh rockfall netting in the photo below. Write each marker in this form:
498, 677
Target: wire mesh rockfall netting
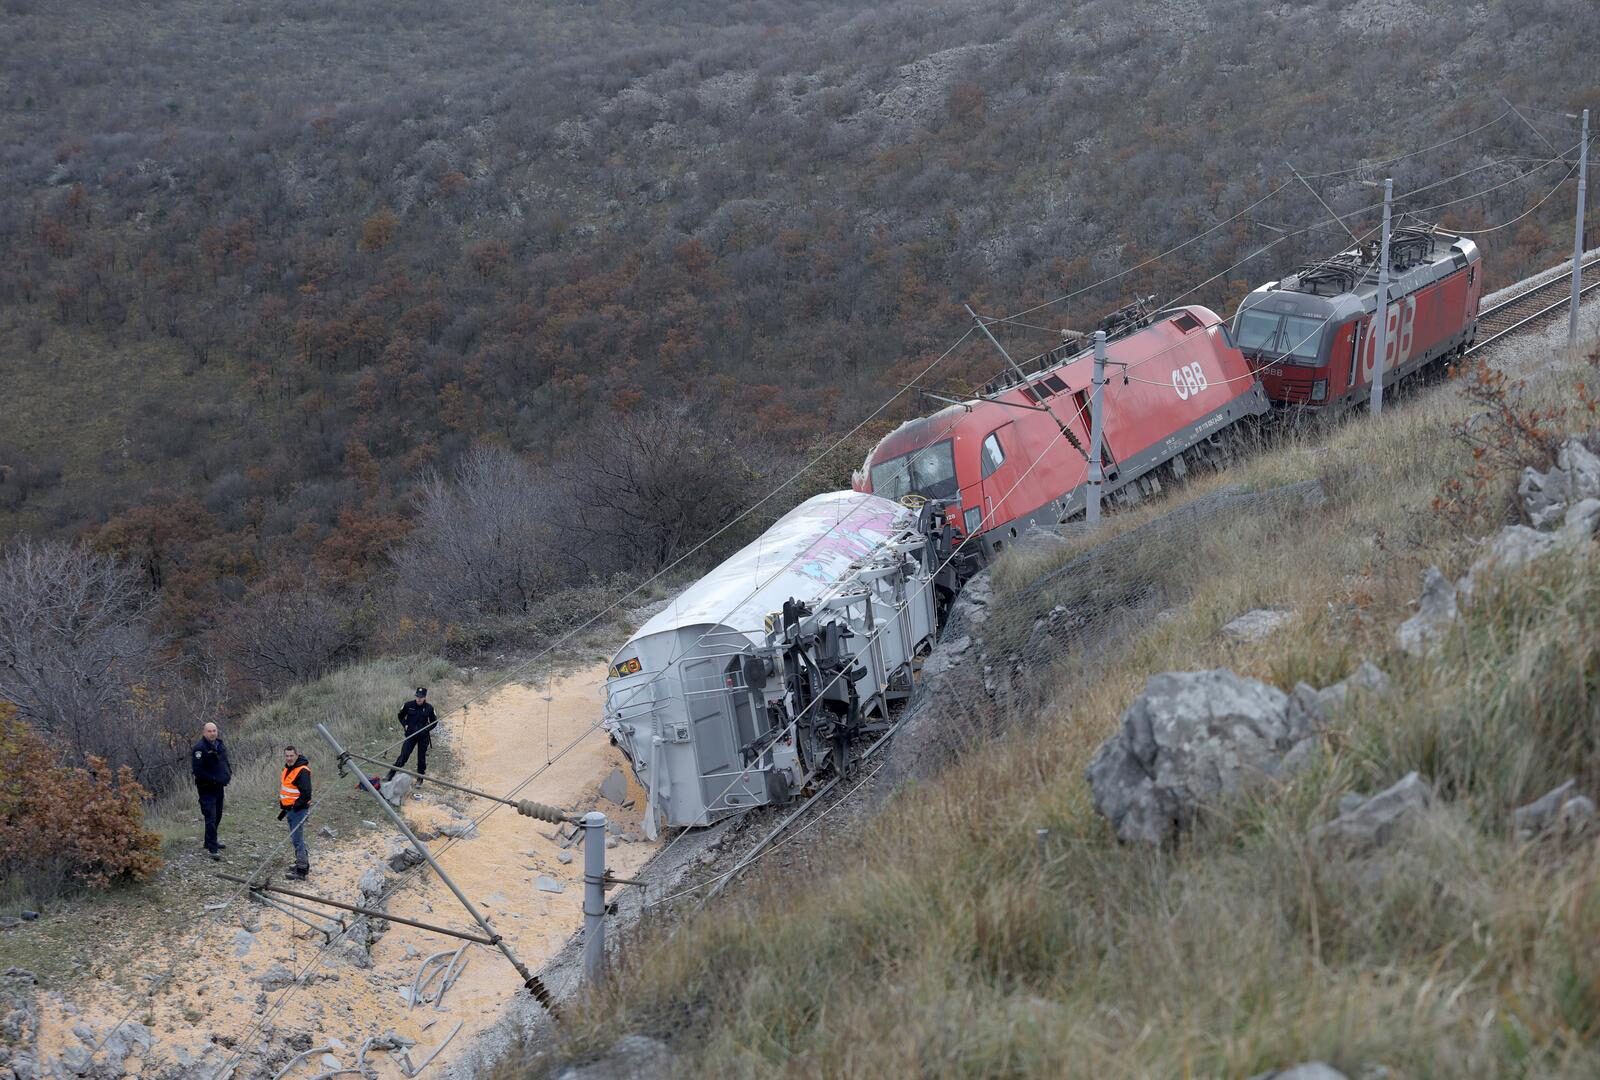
1007, 650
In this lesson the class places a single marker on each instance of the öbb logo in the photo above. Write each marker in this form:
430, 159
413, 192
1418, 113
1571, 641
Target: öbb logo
1402, 333
1189, 380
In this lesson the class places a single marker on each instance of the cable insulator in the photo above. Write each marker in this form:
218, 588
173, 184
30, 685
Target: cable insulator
542, 995
529, 808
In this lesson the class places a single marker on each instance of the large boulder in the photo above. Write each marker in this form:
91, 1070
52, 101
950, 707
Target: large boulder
1366, 824
1193, 739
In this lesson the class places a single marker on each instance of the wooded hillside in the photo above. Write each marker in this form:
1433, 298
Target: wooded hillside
263, 265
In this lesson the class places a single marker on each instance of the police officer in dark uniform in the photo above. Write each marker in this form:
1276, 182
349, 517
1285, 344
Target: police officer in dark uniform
212, 771
418, 720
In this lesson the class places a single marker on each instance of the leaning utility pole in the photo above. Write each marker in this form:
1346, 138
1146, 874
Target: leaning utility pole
1380, 360
1091, 512
492, 936
1577, 235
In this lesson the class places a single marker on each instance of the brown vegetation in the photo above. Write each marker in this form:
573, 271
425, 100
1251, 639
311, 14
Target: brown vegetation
64, 824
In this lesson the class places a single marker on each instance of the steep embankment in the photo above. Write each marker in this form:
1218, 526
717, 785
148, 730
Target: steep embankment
988, 922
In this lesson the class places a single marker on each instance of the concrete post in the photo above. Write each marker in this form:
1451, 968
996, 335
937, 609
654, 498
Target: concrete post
1379, 361
594, 897
1091, 513
1577, 236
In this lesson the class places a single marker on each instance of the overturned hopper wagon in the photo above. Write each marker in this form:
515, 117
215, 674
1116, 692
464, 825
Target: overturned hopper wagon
770, 670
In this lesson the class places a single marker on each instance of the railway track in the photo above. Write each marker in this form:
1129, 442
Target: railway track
1531, 307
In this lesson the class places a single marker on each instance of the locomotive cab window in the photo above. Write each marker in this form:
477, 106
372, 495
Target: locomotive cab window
1294, 338
929, 472
994, 454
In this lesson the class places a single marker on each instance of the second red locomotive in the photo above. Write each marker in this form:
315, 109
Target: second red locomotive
1018, 456
1312, 337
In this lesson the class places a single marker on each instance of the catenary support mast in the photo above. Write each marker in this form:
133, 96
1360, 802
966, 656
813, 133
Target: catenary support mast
1091, 512
1577, 234
1381, 359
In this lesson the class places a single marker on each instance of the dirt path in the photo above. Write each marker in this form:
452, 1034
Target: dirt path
214, 1008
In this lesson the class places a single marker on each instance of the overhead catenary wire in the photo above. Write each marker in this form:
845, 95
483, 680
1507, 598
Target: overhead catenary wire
506, 678
1540, 163
1368, 166
1275, 191
1369, 233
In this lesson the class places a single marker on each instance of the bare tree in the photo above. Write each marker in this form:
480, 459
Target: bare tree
288, 635
75, 643
647, 486
485, 543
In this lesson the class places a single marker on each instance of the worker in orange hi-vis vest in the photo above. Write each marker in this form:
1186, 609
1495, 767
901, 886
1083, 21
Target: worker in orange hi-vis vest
294, 803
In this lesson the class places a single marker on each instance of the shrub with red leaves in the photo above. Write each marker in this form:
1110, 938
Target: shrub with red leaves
87, 821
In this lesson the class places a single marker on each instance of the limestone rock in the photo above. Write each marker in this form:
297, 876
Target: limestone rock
1193, 739
1582, 521
1559, 811
372, 883
1512, 548
395, 791
1575, 477
1368, 678
77, 1060
632, 1057
1258, 624
460, 830
275, 977
1375, 822
1308, 1070
1436, 611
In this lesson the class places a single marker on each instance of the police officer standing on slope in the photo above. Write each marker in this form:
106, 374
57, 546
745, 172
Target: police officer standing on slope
418, 720
294, 803
212, 771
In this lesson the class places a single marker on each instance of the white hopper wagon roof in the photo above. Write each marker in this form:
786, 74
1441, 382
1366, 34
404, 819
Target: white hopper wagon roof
803, 555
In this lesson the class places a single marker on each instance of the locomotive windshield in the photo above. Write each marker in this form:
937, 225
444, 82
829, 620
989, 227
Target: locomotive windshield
929, 472
1292, 337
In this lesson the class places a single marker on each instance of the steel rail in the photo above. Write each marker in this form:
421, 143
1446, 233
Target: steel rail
1505, 307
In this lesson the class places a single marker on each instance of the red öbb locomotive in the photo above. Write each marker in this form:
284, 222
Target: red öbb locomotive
1304, 334
1179, 385
1018, 456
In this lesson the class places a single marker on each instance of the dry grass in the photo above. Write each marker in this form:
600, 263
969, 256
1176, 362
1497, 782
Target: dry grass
946, 942
357, 703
